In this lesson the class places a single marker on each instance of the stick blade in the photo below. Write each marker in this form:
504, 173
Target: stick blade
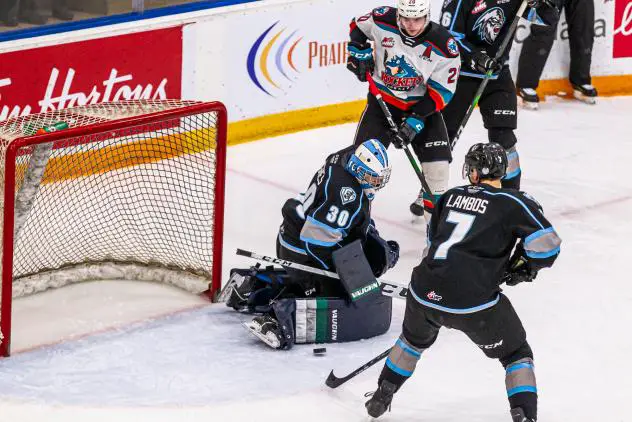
242, 252
333, 381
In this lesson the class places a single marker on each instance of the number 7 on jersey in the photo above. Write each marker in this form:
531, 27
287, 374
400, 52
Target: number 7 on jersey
463, 223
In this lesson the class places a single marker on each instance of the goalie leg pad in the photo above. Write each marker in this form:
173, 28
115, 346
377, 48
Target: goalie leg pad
335, 320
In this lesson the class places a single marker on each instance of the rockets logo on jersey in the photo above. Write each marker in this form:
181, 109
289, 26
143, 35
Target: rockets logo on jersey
489, 24
388, 42
400, 75
347, 195
453, 49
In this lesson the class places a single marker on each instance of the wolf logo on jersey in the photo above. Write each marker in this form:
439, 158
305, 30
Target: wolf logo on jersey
399, 75
489, 24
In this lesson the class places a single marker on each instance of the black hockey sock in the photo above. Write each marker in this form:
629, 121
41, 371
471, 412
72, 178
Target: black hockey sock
528, 402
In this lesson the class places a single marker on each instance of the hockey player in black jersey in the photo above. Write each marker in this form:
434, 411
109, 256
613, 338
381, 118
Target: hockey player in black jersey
333, 212
480, 26
414, 64
472, 233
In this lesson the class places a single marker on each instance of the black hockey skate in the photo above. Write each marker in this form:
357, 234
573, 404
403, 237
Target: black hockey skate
517, 415
586, 93
266, 329
530, 98
417, 207
381, 400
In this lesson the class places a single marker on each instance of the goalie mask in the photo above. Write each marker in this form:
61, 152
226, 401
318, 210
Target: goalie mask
489, 160
369, 164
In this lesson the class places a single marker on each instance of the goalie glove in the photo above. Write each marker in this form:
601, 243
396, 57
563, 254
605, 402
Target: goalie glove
518, 270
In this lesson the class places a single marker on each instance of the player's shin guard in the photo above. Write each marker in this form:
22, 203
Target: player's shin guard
437, 175
399, 366
512, 178
521, 388
401, 362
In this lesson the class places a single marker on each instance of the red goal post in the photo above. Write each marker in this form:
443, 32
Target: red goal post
127, 190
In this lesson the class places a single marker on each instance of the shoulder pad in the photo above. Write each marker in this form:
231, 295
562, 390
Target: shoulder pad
441, 38
382, 11
385, 14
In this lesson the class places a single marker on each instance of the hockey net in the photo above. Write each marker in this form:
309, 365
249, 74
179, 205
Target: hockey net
129, 190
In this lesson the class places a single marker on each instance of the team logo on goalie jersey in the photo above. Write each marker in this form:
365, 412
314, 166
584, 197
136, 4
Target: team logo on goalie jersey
489, 24
399, 75
347, 195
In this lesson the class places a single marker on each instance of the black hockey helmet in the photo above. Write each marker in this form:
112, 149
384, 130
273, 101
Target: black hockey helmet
489, 159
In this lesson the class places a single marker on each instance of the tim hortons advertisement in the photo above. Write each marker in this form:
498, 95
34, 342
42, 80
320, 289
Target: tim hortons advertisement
622, 44
144, 65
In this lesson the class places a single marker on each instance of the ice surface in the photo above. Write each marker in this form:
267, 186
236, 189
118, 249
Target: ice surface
200, 365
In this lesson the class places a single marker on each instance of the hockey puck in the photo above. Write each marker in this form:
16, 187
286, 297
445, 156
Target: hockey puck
320, 351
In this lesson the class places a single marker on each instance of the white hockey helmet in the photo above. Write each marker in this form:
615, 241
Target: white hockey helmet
413, 8
370, 165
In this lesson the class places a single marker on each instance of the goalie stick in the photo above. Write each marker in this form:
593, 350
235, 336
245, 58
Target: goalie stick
334, 382
388, 288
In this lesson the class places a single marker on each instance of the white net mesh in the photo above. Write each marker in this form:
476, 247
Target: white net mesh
136, 202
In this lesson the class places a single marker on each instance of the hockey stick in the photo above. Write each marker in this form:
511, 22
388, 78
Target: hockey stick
334, 382
387, 288
389, 118
488, 75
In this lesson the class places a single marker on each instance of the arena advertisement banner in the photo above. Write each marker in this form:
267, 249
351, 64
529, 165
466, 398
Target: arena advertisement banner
267, 57
622, 45
285, 57
142, 65
292, 56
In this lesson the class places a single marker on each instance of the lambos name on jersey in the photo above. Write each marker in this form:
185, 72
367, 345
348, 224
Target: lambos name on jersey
467, 203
